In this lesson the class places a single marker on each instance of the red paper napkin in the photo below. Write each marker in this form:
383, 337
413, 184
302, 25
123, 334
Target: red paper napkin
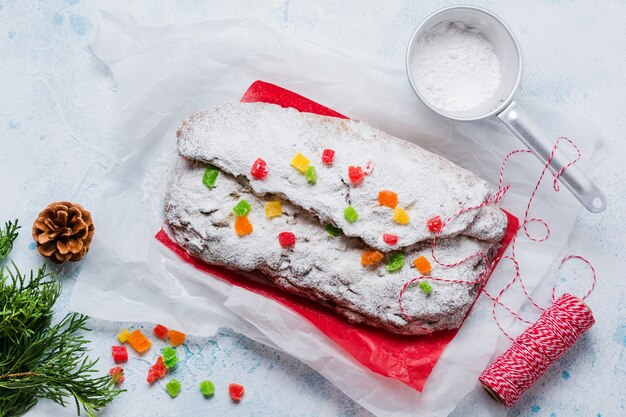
409, 359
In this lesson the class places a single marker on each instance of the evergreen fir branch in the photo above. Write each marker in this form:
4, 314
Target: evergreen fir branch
7, 237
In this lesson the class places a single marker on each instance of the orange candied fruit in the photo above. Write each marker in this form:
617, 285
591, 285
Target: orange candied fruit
423, 265
388, 198
176, 337
371, 257
138, 341
243, 226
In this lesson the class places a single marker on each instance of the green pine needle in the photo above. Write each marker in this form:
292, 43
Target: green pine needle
39, 359
7, 237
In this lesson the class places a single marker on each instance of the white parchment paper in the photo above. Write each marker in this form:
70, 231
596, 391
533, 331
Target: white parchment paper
165, 71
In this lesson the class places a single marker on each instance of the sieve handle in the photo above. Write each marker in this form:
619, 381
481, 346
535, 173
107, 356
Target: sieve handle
531, 135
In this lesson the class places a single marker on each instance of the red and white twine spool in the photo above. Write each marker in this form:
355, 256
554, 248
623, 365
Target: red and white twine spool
532, 353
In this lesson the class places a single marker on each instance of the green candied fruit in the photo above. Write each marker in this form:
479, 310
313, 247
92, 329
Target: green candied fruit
207, 388
425, 287
332, 230
396, 262
209, 177
311, 176
350, 214
242, 208
173, 387
170, 358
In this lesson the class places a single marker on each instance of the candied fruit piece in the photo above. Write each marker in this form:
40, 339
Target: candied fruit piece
160, 331
119, 353
387, 198
355, 174
242, 208
209, 177
425, 287
243, 226
396, 262
156, 371
123, 335
286, 239
332, 230
173, 387
117, 374
207, 388
138, 341
434, 224
236, 392
300, 162
369, 167
259, 169
273, 209
400, 215
350, 214
176, 337
371, 257
328, 156
311, 176
170, 357
422, 265
390, 239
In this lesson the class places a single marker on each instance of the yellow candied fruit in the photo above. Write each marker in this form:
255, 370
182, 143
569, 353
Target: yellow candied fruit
243, 226
423, 265
123, 335
400, 215
273, 209
371, 257
300, 162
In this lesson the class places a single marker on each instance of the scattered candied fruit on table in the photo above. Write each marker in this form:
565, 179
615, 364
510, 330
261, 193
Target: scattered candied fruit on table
311, 175
300, 162
273, 209
332, 230
170, 357
259, 169
160, 331
328, 156
350, 214
396, 262
390, 239
210, 176
236, 392
176, 337
387, 198
400, 216
117, 374
122, 336
422, 265
242, 208
425, 287
434, 224
356, 174
371, 257
138, 341
173, 388
207, 388
156, 371
286, 239
119, 353
243, 226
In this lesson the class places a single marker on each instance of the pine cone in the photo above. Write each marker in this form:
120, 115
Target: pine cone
63, 232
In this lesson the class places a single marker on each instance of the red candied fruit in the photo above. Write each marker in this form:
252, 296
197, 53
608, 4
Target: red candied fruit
390, 239
156, 371
286, 239
259, 169
160, 331
328, 156
117, 374
434, 224
119, 353
356, 174
236, 392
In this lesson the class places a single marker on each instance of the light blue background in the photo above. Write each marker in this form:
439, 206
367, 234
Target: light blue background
58, 137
